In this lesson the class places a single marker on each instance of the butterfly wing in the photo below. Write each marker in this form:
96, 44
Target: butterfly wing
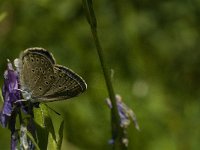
36, 75
46, 81
67, 84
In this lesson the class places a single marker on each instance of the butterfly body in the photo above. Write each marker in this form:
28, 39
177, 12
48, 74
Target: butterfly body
45, 80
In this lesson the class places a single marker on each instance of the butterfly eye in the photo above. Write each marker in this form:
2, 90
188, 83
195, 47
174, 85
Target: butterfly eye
33, 70
40, 88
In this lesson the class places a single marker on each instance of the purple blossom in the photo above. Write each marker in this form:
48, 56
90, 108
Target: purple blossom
125, 113
11, 108
14, 140
10, 93
126, 116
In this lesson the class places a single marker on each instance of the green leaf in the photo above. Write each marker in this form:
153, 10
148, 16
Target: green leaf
45, 129
52, 143
60, 135
33, 140
41, 127
1, 96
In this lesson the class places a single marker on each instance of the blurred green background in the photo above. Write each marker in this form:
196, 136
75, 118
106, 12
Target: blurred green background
153, 48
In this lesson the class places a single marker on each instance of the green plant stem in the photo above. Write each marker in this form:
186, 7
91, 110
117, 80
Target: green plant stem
117, 131
115, 116
115, 120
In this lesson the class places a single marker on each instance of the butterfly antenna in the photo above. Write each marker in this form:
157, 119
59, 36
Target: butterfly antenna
53, 110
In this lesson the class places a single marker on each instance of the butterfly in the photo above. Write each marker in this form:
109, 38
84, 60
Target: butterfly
42, 80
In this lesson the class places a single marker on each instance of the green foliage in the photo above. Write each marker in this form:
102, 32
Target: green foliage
32, 140
60, 135
45, 129
153, 48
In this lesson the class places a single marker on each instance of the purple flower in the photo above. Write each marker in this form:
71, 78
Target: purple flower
126, 116
14, 140
12, 108
10, 93
125, 113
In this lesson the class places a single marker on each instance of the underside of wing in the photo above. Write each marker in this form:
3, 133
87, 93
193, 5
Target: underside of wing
37, 72
67, 85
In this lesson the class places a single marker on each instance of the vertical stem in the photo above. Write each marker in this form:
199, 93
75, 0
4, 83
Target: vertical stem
115, 120
117, 131
114, 112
